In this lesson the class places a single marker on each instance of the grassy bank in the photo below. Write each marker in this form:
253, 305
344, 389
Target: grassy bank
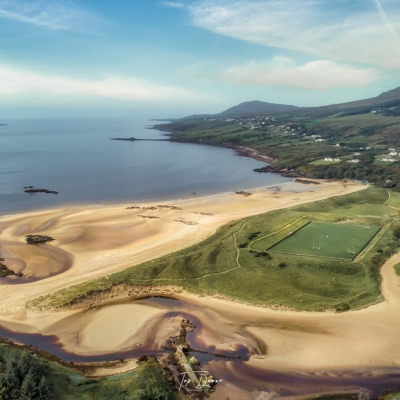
229, 263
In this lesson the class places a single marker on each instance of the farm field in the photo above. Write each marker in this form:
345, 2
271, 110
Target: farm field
322, 239
324, 162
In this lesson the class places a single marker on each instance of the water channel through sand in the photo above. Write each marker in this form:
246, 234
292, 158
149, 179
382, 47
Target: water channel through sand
306, 352
237, 373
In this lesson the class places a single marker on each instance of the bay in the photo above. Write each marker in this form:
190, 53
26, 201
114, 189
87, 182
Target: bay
77, 159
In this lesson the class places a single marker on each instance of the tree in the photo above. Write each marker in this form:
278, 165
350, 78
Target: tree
12, 381
44, 390
29, 387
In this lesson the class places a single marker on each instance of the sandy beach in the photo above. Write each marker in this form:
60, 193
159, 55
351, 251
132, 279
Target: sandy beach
93, 241
102, 240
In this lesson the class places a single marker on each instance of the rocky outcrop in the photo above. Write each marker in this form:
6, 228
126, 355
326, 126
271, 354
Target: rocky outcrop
37, 239
307, 182
283, 172
243, 193
4, 271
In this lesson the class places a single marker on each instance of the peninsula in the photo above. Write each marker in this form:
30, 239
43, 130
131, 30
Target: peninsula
359, 140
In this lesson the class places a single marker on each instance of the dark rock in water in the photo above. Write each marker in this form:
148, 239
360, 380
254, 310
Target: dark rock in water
132, 139
37, 239
35, 191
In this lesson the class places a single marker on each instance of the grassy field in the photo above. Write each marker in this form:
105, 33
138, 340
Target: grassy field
324, 162
301, 282
269, 240
323, 239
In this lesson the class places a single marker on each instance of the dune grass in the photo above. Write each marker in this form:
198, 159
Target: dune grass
266, 278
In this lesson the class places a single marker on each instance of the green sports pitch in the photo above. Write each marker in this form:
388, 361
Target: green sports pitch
322, 239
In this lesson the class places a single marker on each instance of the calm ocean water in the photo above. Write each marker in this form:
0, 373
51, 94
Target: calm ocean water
78, 159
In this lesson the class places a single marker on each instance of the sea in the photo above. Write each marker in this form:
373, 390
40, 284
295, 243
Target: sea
78, 159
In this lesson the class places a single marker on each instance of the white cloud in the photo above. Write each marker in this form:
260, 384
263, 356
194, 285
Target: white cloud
315, 27
320, 75
172, 4
50, 14
27, 84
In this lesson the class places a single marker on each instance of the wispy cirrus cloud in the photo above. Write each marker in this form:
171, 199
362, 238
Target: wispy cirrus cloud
386, 20
50, 14
21, 83
323, 29
320, 75
172, 4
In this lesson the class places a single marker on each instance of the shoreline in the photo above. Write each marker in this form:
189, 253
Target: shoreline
147, 200
261, 200
296, 341
241, 151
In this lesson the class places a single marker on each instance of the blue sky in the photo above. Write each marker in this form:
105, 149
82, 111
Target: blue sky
173, 58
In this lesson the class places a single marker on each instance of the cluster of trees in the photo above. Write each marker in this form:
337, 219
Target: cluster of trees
22, 376
150, 383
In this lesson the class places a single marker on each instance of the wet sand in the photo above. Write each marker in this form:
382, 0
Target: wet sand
300, 345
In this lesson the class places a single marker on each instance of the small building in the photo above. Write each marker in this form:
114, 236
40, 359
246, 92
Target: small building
328, 159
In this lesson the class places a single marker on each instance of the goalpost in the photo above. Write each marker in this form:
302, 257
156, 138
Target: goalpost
315, 247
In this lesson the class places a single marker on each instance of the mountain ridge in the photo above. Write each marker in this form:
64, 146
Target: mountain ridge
257, 107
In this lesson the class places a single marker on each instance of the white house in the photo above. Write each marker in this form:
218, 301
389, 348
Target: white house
392, 153
357, 154
355, 160
328, 159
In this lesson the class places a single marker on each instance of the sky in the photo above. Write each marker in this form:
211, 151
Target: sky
157, 59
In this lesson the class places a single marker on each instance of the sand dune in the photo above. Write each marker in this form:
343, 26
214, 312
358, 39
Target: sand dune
102, 331
102, 240
97, 241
